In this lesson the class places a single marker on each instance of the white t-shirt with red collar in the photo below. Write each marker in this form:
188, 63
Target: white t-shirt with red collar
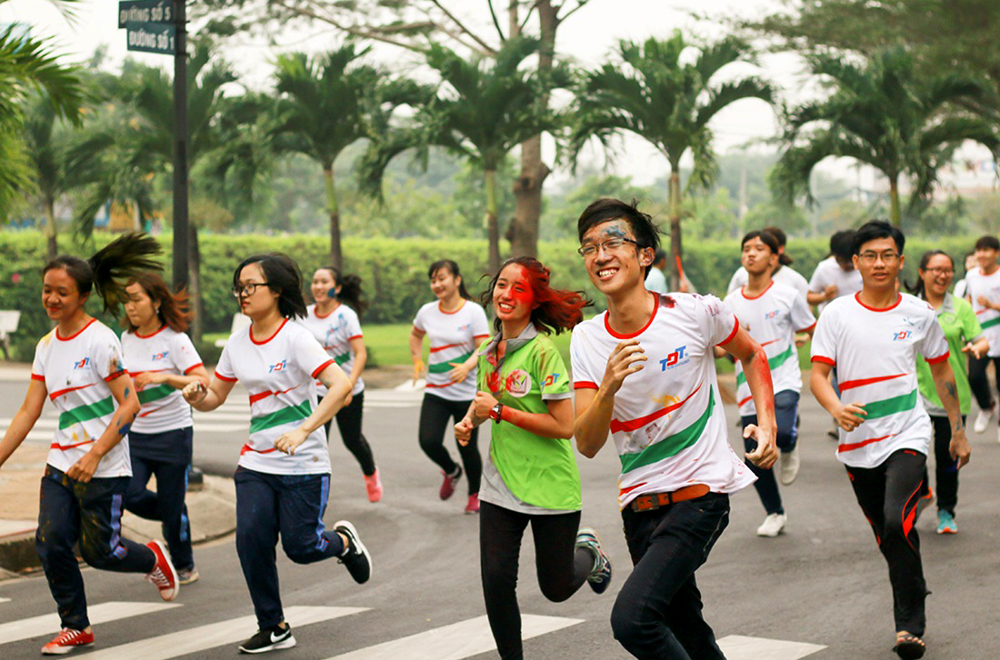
772, 319
334, 332
166, 350
668, 422
988, 286
76, 371
279, 372
875, 352
452, 337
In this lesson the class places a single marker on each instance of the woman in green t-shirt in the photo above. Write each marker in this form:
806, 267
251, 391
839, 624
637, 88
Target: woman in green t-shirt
531, 476
965, 337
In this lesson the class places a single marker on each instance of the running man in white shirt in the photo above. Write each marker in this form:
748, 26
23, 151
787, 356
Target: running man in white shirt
782, 273
645, 372
983, 285
874, 339
772, 313
656, 280
836, 275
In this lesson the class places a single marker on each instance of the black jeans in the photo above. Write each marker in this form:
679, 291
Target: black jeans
434, 415
945, 467
979, 382
657, 615
888, 496
786, 412
349, 424
561, 567
91, 513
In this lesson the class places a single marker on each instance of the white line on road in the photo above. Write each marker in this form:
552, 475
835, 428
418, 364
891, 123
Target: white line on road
738, 647
4, 600
48, 624
459, 640
233, 631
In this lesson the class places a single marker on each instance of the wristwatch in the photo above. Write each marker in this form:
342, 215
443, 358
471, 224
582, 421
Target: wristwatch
496, 412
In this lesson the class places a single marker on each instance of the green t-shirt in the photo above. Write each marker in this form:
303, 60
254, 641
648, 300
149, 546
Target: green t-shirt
538, 471
960, 326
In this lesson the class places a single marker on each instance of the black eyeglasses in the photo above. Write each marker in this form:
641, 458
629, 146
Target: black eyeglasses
609, 245
248, 289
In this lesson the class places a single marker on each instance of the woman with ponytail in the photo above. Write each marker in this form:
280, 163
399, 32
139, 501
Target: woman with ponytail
531, 476
79, 367
333, 321
162, 361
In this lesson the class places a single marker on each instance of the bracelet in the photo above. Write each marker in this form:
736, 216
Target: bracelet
496, 413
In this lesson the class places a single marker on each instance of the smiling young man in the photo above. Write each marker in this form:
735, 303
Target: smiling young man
874, 339
645, 371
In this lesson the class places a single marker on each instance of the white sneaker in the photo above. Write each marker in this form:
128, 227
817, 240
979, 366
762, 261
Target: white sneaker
788, 468
772, 525
983, 419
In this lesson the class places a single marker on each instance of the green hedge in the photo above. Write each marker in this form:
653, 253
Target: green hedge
394, 271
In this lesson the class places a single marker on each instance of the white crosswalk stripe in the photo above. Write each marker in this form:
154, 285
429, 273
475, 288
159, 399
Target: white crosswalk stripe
738, 647
48, 624
459, 640
233, 631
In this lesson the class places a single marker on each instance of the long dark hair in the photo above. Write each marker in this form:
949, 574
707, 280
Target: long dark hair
350, 290
917, 288
120, 260
283, 277
172, 307
557, 310
452, 268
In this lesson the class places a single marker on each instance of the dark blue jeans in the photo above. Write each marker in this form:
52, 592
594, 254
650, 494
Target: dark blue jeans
272, 504
786, 412
70, 511
657, 615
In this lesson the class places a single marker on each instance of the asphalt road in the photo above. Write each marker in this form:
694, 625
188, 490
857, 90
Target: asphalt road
823, 582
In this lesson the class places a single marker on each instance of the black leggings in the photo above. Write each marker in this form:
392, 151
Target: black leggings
434, 415
562, 568
979, 382
945, 467
349, 425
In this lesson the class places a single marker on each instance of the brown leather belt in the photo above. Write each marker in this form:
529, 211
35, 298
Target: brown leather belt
652, 501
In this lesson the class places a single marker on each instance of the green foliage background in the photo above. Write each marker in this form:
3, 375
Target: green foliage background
394, 271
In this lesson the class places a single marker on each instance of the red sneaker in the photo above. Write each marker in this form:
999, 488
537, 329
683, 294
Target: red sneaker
67, 641
449, 483
163, 574
473, 505
373, 485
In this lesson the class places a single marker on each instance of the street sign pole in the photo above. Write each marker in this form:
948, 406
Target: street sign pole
181, 235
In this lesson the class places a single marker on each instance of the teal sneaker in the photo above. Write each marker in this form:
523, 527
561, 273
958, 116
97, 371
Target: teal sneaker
600, 575
946, 523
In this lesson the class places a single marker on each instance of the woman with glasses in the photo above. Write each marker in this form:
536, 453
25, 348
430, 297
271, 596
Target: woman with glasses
162, 361
283, 475
965, 337
455, 327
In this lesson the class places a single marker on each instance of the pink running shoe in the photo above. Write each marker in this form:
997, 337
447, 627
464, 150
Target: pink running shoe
68, 641
449, 483
373, 485
473, 505
163, 574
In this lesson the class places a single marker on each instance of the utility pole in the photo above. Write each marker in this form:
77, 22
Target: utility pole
181, 233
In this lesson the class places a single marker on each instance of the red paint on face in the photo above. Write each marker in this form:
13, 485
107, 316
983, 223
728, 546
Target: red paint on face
514, 296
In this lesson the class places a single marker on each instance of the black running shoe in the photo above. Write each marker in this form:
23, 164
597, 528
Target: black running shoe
269, 639
355, 557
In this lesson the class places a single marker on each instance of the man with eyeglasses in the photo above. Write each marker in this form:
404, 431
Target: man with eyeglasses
645, 371
874, 339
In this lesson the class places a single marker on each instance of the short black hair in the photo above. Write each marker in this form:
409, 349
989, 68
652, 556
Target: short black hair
874, 230
607, 209
766, 237
783, 259
283, 277
988, 243
842, 244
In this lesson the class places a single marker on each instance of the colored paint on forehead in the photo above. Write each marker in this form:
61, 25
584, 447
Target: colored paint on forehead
516, 274
616, 229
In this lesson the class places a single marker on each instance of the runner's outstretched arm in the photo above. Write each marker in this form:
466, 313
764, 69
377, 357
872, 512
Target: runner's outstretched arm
594, 408
848, 416
754, 361
944, 380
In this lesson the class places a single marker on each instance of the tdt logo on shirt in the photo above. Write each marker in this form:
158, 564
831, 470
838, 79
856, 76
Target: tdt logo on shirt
518, 383
550, 380
463, 328
771, 315
281, 366
161, 356
902, 335
82, 364
675, 358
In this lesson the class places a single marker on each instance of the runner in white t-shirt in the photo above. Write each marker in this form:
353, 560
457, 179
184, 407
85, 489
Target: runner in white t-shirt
782, 273
455, 327
283, 477
645, 372
836, 275
333, 321
162, 361
983, 288
772, 313
874, 339
79, 367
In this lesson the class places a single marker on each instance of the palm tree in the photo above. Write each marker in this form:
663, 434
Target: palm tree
669, 103
882, 113
45, 147
484, 107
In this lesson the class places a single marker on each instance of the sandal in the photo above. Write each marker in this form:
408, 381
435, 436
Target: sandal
909, 647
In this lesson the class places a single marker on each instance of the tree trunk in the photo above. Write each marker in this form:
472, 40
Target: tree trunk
894, 212
51, 230
492, 226
676, 251
194, 284
336, 256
